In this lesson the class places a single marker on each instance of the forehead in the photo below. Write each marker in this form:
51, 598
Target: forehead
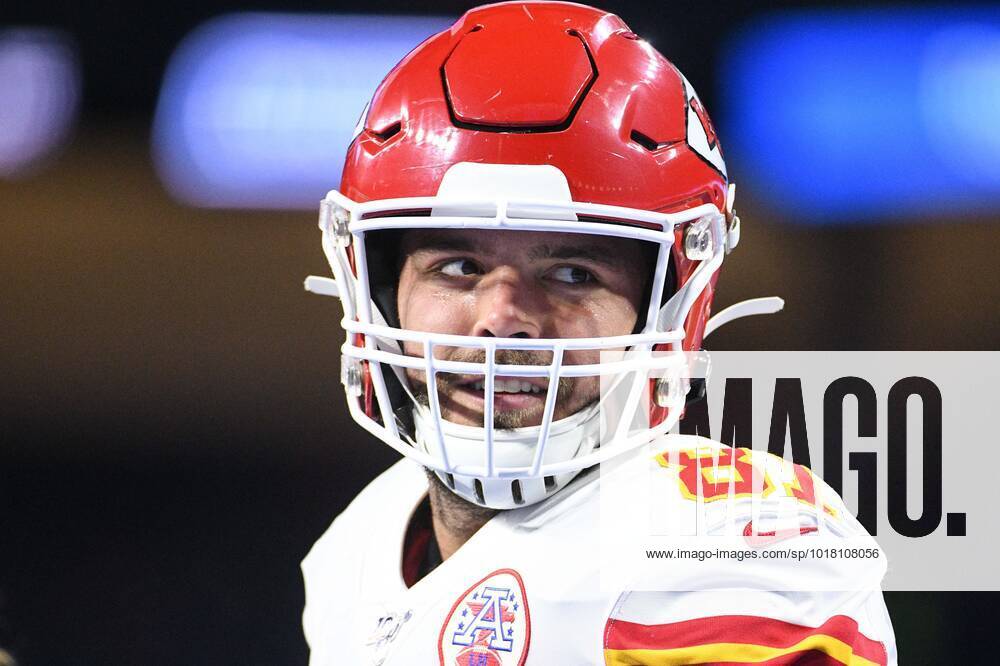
530, 245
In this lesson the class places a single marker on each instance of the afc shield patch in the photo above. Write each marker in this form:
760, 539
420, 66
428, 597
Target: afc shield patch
489, 624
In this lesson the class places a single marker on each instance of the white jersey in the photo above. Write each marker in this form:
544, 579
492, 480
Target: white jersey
525, 588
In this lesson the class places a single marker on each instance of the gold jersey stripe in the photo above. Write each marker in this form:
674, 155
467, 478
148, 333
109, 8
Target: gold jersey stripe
739, 653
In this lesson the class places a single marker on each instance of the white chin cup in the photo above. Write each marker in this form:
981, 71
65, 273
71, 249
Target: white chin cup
568, 438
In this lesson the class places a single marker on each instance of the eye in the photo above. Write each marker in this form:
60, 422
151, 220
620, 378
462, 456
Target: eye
572, 275
459, 267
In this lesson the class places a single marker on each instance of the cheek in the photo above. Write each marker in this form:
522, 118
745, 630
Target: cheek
606, 315
617, 316
423, 308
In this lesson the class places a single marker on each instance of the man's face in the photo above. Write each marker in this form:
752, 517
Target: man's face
516, 284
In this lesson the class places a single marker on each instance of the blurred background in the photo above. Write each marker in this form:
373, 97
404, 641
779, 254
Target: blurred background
173, 436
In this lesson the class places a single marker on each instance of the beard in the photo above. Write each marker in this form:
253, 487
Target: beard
448, 385
457, 515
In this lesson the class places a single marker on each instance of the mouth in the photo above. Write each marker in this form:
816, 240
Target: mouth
509, 393
509, 386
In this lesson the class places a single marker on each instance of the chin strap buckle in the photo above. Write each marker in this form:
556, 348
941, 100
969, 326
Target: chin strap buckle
351, 375
733, 234
667, 391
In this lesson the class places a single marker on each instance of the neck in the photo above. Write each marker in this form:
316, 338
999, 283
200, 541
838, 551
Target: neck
454, 519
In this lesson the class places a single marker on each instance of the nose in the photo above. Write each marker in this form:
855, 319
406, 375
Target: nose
508, 306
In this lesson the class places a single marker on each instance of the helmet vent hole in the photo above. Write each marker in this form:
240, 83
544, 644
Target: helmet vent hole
515, 490
389, 132
450, 480
477, 27
644, 141
550, 484
478, 485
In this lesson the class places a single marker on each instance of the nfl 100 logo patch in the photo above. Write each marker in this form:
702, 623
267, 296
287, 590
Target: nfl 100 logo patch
489, 624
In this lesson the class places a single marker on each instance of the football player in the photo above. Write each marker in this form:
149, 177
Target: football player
534, 200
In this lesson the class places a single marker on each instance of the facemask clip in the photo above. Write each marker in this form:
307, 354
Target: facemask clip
335, 220
698, 242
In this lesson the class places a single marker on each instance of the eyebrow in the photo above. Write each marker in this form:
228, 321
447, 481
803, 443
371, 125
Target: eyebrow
589, 250
435, 241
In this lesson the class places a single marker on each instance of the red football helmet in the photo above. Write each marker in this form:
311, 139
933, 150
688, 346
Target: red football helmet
541, 116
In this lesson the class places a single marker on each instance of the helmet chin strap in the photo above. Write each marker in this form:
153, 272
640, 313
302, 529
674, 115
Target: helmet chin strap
749, 308
572, 436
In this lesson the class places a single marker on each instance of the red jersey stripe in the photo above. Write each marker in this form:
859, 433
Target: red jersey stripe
748, 629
